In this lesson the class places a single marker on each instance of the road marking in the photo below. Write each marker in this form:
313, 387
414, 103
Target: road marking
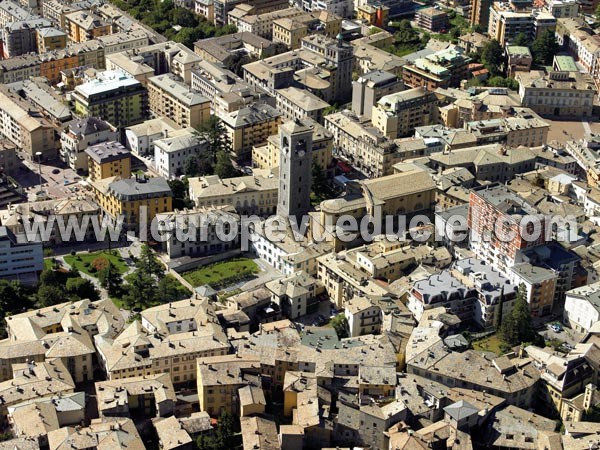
586, 127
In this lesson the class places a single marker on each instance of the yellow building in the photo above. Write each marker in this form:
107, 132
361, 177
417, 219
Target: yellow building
137, 200
50, 38
220, 378
108, 159
175, 100
84, 26
294, 383
290, 30
251, 126
267, 156
373, 15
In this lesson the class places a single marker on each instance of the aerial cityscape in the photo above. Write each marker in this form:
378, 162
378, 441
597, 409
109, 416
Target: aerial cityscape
299, 224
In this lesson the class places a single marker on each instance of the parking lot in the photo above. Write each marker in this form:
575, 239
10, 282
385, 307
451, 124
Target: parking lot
566, 335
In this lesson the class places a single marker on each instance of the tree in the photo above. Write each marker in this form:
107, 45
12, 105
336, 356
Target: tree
148, 264
49, 296
517, 328
224, 167
544, 48
81, 289
141, 290
190, 166
522, 40
13, 297
111, 280
597, 12
169, 290
340, 325
216, 136
179, 188
492, 56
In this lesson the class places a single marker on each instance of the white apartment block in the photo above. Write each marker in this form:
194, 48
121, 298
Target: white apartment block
19, 261
172, 151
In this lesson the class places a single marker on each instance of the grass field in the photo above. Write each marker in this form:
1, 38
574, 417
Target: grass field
491, 343
221, 273
79, 261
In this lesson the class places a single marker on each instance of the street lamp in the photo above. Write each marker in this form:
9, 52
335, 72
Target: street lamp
39, 157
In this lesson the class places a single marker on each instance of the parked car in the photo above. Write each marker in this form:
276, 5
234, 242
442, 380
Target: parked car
556, 327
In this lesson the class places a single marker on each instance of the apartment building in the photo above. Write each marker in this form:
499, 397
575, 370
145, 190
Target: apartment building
169, 339
219, 380
20, 37
78, 135
126, 196
20, 261
248, 195
223, 49
493, 204
267, 156
508, 20
291, 30
140, 138
50, 38
222, 8
146, 396
582, 307
446, 68
361, 145
322, 66
115, 96
557, 94
370, 87
31, 134
170, 98
108, 159
363, 317
227, 91
540, 284
163, 58
563, 8
181, 223
261, 24
29, 379
525, 129
373, 15
432, 19
295, 295
82, 26
251, 126
120, 430
397, 115
173, 150
296, 104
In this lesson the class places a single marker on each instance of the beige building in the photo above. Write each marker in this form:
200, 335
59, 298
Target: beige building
30, 379
84, 26
397, 115
291, 30
363, 317
98, 434
170, 338
297, 103
557, 94
50, 38
31, 134
267, 156
220, 378
248, 195
55, 333
147, 396
108, 159
251, 126
173, 99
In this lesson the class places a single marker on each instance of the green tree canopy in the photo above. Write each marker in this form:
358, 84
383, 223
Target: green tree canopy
492, 56
224, 167
82, 289
521, 39
340, 325
517, 328
544, 48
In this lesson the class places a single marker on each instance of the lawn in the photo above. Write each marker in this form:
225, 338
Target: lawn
491, 343
222, 273
83, 261
48, 264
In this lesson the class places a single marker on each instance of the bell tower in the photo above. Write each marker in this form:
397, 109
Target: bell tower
295, 167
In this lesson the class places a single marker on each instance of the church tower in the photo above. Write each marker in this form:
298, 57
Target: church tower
295, 167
